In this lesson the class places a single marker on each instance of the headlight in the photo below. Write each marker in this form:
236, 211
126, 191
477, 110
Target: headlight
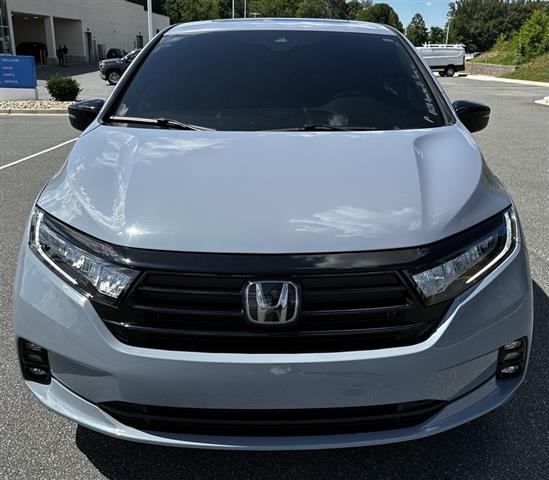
452, 275
85, 271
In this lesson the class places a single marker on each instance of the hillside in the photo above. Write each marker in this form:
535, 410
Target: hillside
504, 53
537, 70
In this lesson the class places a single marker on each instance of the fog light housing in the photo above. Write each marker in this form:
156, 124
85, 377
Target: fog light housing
34, 362
511, 359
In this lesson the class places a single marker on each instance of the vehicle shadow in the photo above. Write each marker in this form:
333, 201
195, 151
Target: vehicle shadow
513, 438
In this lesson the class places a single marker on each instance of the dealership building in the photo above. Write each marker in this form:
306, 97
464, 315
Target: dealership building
88, 28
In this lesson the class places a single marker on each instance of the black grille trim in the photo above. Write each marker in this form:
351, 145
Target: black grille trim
289, 422
340, 312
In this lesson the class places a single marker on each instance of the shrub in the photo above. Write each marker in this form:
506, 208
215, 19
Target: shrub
501, 42
533, 37
64, 89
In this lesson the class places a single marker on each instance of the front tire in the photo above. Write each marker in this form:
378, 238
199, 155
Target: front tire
114, 76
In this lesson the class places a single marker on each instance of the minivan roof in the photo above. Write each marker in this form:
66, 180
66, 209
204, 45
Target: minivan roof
303, 24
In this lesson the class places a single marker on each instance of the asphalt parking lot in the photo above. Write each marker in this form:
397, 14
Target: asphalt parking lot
511, 442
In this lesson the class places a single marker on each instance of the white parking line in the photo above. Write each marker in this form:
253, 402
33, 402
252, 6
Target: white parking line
36, 154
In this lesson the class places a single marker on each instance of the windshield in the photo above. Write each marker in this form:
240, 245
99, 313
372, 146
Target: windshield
270, 80
131, 55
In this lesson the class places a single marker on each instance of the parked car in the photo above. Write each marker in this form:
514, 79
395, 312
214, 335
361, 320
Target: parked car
444, 59
112, 69
115, 53
261, 242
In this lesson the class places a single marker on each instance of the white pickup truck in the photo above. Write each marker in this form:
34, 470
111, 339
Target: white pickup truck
444, 59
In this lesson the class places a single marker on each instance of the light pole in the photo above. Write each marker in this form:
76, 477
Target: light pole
150, 19
245, 8
233, 8
448, 29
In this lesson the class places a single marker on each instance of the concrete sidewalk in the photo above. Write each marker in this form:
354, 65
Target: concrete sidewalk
487, 78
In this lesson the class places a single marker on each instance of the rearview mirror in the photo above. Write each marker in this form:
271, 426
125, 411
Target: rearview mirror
81, 114
474, 116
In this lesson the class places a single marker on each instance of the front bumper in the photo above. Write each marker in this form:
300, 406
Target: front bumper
456, 364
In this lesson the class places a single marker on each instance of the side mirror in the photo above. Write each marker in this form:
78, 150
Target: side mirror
81, 114
474, 116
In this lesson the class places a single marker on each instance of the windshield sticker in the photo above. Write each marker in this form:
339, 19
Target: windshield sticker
427, 99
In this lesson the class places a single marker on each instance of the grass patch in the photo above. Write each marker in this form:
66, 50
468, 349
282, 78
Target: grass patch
497, 58
504, 52
537, 70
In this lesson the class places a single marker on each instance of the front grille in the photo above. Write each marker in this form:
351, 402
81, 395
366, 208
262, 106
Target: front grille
340, 312
299, 422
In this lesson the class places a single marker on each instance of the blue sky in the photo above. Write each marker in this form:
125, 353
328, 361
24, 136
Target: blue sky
433, 11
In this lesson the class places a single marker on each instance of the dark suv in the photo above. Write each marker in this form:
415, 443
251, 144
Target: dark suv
115, 53
113, 68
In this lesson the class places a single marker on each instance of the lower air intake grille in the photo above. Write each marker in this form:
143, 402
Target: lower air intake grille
302, 422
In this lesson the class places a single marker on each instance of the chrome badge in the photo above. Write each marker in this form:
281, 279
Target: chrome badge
272, 302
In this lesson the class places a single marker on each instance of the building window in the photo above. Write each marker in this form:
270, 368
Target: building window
5, 40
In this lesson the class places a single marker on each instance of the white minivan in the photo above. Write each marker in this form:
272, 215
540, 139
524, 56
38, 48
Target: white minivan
261, 242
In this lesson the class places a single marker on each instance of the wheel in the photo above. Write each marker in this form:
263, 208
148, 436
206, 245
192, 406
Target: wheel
113, 76
450, 71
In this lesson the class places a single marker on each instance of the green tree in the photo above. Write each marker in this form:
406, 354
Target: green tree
313, 9
381, 13
274, 8
226, 8
357, 8
436, 35
191, 10
533, 37
478, 23
416, 31
337, 8
518, 12
287, 8
156, 4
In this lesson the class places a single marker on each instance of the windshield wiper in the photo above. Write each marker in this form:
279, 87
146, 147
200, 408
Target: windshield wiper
159, 122
320, 127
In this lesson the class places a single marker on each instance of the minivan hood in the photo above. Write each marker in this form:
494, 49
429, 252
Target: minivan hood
273, 192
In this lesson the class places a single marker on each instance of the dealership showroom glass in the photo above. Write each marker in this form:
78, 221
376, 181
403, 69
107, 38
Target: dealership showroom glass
319, 258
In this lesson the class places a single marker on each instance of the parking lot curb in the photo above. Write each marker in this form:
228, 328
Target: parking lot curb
33, 112
487, 78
